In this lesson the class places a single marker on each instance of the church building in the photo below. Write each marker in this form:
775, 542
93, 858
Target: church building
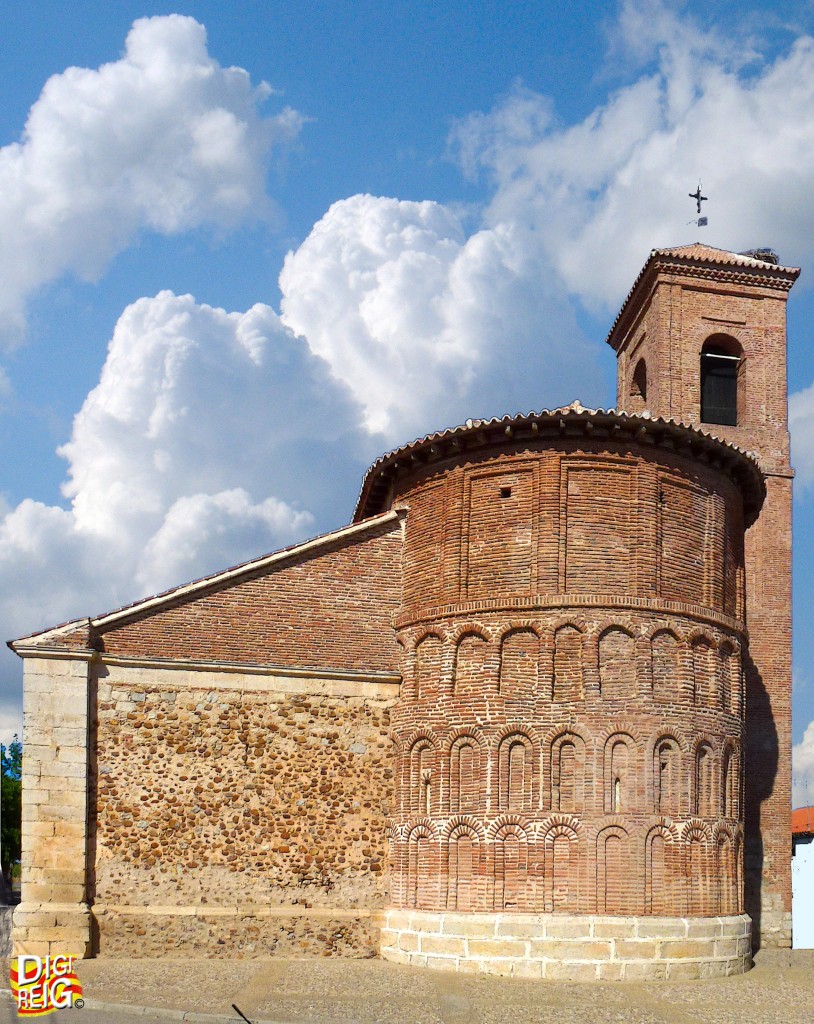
528, 714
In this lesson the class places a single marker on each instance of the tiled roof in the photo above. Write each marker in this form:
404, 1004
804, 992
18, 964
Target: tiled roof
696, 255
699, 251
499, 430
802, 821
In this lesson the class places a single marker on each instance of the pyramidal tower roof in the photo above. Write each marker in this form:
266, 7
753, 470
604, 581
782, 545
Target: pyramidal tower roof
700, 260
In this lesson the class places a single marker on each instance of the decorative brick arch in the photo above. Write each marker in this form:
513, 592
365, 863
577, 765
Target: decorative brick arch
517, 769
616, 660
730, 781
510, 863
568, 668
729, 666
464, 775
474, 670
661, 868
463, 853
667, 683
620, 768
565, 762
613, 881
704, 656
666, 756
423, 863
519, 661
705, 798
564, 875
428, 665
696, 843
472, 628
419, 773
725, 874
519, 626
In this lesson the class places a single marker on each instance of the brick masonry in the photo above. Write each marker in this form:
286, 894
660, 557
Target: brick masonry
580, 752
683, 298
540, 686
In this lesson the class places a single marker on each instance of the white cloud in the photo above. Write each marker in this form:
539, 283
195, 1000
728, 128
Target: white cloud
428, 326
601, 193
11, 724
802, 759
190, 455
197, 401
801, 427
163, 139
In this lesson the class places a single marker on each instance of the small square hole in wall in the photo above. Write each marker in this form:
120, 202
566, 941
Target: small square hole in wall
505, 492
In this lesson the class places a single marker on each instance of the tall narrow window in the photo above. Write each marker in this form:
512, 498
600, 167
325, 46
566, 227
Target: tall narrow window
421, 765
618, 782
666, 776
719, 381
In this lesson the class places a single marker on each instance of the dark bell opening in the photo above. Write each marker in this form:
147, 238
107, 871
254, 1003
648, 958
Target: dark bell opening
719, 387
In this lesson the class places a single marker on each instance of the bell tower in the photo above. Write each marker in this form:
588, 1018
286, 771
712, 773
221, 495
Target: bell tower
701, 339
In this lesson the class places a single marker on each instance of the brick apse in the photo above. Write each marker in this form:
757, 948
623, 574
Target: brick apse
528, 714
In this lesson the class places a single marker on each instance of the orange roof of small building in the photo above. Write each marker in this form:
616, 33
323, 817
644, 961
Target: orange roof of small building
802, 821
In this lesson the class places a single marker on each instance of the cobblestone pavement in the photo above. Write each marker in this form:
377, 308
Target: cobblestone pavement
777, 991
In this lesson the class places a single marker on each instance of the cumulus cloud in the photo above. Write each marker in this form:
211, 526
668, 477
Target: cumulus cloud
191, 454
163, 139
429, 326
603, 192
802, 759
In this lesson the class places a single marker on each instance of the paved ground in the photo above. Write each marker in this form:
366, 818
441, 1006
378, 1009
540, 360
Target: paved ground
778, 991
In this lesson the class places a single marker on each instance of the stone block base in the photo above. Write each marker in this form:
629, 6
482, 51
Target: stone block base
775, 929
565, 947
251, 931
44, 929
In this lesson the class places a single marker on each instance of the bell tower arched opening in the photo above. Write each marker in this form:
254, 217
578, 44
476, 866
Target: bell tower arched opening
720, 372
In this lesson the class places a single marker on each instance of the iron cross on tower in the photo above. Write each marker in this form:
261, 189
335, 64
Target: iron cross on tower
701, 222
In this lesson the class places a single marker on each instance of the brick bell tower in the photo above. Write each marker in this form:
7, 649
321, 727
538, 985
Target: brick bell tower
701, 339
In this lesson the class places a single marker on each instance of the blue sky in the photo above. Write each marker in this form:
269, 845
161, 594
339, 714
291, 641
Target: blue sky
221, 299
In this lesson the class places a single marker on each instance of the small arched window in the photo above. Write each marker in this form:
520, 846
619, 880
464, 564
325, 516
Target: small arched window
720, 363
638, 382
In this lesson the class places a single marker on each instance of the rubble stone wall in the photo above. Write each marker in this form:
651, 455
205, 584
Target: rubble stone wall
239, 812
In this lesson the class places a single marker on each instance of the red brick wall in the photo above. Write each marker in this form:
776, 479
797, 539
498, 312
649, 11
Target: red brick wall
330, 609
677, 305
571, 713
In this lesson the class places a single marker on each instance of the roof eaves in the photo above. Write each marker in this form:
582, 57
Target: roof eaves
694, 255
47, 637
574, 412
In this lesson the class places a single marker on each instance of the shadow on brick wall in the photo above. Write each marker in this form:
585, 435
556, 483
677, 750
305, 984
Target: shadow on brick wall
760, 770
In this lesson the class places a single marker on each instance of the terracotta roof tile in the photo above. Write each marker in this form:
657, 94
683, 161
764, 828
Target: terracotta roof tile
802, 821
696, 254
699, 251
372, 496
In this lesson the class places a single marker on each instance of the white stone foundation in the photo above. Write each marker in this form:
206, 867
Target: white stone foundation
566, 947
